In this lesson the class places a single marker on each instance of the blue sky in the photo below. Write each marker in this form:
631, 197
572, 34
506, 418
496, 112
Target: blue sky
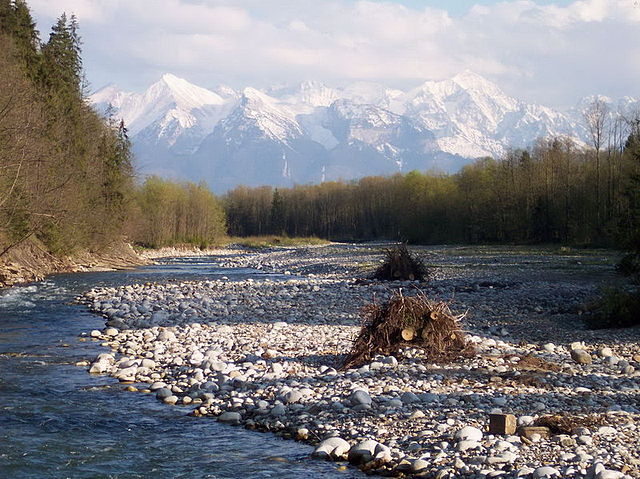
551, 53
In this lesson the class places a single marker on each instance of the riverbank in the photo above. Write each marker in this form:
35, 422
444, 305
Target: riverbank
265, 354
30, 261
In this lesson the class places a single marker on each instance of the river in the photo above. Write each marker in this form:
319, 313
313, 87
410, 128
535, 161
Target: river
58, 421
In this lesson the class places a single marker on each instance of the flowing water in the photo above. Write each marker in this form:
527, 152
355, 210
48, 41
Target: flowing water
58, 421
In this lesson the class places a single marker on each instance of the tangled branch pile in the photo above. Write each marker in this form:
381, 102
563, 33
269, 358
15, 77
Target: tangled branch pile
561, 424
401, 265
413, 321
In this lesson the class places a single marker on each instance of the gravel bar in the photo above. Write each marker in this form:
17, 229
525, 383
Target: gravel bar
265, 354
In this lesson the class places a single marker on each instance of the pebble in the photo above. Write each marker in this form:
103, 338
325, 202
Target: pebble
230, 417
545, 471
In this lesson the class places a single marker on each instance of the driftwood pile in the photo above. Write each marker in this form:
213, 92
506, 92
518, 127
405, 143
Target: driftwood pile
408, 321
401, 265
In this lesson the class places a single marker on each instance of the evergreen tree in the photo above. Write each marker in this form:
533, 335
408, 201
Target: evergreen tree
277, 218
62, 58
16, 21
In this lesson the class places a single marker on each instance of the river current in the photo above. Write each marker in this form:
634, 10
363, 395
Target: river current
58, 421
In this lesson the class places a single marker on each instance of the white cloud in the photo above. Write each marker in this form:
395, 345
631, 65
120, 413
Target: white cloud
547, 53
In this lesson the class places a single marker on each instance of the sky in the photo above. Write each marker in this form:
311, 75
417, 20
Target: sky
547, 52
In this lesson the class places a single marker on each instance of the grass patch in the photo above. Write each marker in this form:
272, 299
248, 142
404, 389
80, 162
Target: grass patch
260, 242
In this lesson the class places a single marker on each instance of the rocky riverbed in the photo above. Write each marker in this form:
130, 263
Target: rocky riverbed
265, 354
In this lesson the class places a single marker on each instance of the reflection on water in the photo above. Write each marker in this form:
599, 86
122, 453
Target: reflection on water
58, 421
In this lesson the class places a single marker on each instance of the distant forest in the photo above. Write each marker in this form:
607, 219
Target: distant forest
554, 192
67, 180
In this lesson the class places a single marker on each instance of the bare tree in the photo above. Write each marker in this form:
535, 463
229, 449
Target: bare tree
596, 116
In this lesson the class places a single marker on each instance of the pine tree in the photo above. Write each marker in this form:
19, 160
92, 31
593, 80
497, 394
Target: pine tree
277, 222
17, 22
62, 58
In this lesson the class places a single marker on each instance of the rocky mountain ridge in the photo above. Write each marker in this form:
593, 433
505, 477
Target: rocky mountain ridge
313, 132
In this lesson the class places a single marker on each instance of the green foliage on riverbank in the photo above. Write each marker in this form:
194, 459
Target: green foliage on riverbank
168, 213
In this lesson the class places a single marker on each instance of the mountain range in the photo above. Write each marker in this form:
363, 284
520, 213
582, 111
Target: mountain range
312, 132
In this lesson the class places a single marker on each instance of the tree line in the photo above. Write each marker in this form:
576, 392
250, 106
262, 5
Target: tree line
167, 213
66, 176
553, 192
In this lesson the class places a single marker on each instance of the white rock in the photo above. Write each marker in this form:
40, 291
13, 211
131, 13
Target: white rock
466, 445
332, 448
469, 433
545, 471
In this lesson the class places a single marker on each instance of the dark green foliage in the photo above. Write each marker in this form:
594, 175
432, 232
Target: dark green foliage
616, 308
545, 194
401, 265
16, 22
277, 214
629, 266
620, 307
62, 60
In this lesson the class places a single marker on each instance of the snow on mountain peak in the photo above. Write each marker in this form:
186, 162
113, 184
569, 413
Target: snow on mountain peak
186, 95
345, 132
107, 95
275, 120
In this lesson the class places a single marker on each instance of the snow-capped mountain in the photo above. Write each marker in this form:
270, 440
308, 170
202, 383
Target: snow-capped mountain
313, 132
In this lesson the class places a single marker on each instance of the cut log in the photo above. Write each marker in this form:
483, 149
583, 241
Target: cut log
503, 424
408, 334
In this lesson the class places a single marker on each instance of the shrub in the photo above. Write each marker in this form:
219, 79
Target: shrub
616, 308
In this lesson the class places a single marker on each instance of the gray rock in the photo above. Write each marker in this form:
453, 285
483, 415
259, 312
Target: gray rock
360, 397
466, 445
608, 474
544, 472
580, 356
525, 420
332, 448
362, 452
420, 465
506, 457
292, 397
278, 410
230, 417
126, 374
605, 352
163, 393
409, 397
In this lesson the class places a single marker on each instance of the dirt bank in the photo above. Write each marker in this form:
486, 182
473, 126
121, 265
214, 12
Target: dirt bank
30, 261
